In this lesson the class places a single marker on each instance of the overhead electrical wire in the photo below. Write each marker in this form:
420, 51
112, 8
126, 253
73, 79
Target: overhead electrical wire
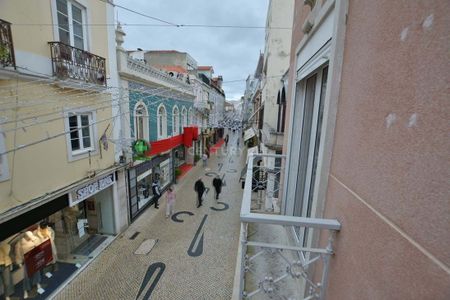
160, 25
139, 13
84, 105
70, 131
93, 93
165, 23
113, 104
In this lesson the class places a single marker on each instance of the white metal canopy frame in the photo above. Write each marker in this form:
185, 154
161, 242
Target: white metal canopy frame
280, 270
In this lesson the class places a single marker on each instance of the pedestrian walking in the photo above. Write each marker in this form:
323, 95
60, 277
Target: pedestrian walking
217, 183
226, 140
199, 187
205, 159
156, 192
170, 197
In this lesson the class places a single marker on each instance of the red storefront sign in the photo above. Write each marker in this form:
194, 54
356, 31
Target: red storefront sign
38, 257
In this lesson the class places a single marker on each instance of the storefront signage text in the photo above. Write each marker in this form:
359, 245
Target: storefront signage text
90, 189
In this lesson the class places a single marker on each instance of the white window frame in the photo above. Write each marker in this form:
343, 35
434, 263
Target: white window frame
145, 117
161, 128
85, 15
190, 116
4, 169
84, 152
303, 198
175, 121
184, 118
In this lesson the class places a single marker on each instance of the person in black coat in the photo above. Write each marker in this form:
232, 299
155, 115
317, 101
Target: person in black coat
199, 187
217, 183
156, 192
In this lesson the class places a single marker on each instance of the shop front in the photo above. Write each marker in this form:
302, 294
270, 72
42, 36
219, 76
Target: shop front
141, 178
43, 247
179, 155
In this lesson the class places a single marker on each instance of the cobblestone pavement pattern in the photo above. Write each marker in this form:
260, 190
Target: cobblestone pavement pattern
117, 273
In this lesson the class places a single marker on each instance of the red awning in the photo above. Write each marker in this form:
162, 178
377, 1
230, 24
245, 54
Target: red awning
161, 146
195, 133
188, 136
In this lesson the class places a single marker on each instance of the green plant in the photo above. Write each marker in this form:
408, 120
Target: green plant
196, 157
4, 52
177, 172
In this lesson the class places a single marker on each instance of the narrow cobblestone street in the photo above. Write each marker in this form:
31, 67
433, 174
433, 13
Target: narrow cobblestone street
118, 273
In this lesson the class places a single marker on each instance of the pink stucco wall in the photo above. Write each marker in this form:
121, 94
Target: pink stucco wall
392, 151
389, 182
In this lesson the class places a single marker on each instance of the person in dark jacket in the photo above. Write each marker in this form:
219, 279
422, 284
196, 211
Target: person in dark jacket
156, 192
199, 187
217, 183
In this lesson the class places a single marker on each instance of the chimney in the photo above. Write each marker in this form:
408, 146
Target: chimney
219, 81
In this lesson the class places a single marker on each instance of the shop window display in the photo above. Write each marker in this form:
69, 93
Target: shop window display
165, 174
35, 261
25, 259
180, 157
144, 188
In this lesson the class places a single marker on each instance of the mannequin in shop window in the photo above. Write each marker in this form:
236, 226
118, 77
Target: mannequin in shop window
6, 282
24, 245
45, 232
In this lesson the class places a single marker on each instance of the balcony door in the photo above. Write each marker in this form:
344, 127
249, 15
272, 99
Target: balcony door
310, 98
71, 16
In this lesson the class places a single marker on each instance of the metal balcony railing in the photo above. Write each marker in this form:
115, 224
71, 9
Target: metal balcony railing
272, 264
7, 58
72, 63
150, 71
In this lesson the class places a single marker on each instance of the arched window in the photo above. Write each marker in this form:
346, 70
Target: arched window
190, 117
141, 121
175, 121
162, 122
184, 119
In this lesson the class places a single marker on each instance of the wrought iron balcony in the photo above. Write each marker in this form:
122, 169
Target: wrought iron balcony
272, 263
72, 63
7, 58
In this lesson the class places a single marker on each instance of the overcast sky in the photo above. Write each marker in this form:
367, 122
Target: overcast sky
233, 52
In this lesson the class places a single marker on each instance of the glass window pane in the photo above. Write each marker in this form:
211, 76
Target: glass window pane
140, 128
77, 29
85, 132
76, 14
84, 120
61, 6
64, 36
73, 132
63, 22
75, 143
73, 122
86, 142
78, 42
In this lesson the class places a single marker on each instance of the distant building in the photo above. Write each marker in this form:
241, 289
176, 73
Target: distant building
161, 105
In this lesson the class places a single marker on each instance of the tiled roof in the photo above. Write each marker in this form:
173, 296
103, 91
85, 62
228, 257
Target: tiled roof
205, 68
165, 51
177, 69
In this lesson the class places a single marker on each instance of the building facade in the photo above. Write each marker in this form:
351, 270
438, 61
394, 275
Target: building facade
159, 130
61, 178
